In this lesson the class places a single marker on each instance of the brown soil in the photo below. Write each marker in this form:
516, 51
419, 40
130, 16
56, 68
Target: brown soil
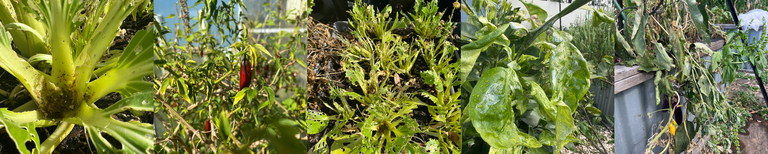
755, 138
325, 71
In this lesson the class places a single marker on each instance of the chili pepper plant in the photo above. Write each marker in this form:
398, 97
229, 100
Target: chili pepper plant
223, 88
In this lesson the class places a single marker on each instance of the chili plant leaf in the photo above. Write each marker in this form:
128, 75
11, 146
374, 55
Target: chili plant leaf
491, 109
223, 125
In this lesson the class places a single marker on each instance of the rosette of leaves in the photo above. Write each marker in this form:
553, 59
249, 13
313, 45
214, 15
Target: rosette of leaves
69, 39
522, 87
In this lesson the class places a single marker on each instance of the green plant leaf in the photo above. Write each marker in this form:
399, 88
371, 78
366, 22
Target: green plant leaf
127, 77
534, 9
563, 126
662, 59
683, 137
468, 30
41, 57
240, 95
35, 37
471, 51
223, 125
570, 75
31, 78
698, 20
531, 37
141, 101
541, 98
316, 121
20, 133
598, 16
638, 37
491, 109
135, 136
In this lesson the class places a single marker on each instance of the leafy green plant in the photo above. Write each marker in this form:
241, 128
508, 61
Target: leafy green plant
200, 84
370, 23
597, 45
70, 38
749, 100
407, 58
733, 55
522, 87
425, 19
383, 45
373, 115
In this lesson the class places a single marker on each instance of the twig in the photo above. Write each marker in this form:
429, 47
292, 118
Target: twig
602, 148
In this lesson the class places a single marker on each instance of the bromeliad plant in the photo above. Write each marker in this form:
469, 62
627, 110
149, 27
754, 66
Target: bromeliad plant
61, 46
522, 87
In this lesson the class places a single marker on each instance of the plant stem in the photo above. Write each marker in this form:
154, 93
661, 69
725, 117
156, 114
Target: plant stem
61, 132
602, 148
63, 65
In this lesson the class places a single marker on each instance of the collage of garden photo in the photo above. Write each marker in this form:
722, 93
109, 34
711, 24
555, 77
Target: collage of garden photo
384, 76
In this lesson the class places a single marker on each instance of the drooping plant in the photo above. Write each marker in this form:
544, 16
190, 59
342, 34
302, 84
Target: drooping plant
667, 47
522, 87
69, 39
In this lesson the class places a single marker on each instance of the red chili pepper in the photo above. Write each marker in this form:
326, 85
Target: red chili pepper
295, 73
208, 125
245, 72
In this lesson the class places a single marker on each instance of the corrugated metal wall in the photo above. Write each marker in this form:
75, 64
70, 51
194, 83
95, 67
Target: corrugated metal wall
602, 94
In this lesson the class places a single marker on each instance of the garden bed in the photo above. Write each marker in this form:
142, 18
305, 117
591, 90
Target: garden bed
325, 72
743, 90
378, 75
